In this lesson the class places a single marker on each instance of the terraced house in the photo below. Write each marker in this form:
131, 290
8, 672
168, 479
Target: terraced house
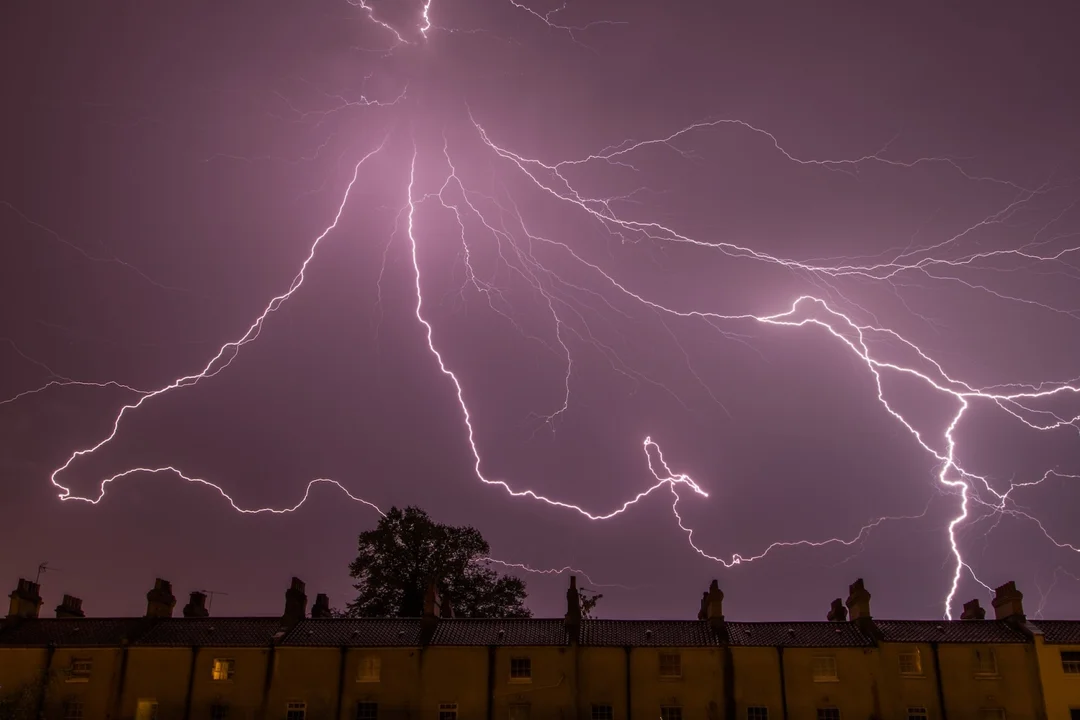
438, 667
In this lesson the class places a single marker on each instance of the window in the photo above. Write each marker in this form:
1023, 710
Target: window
911, 662
79, 670
73, 710
1074, 714
825, 668
219, 712
1070, 661
602, 712
520, 669
757, 712
671, 712
223, 669
992, 714
985, 662
367, 711
448, 711
146, 710
670, 665
519, 711
828, 714
370, 670
917, 713
295, 711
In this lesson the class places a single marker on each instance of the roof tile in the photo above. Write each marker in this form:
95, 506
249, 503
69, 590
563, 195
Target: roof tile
72, 632
1059, 632
796, 634
212, 632
359, 632
949, 631
511, 631
647, 633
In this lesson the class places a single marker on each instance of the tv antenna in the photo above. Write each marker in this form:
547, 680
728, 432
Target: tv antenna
210, 594
43, 567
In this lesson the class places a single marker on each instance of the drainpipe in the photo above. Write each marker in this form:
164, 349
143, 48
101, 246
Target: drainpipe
341, 682
937, 679
49, 652
491, 683
783, 683
629, 686
190, 682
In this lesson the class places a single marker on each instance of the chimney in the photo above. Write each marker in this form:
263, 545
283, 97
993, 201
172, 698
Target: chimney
572, 620
196, 607
714, 606
703, 611
837, 613
321, 608
295, 602
973, 611
858, 601
429, 621
446, 607
160, 601
25, 600
1009, 603
70, 607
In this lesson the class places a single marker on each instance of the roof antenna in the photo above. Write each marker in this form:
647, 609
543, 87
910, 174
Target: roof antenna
210, 594
43, 567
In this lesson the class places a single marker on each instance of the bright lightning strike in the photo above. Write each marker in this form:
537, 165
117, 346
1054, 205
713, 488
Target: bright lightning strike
829, 311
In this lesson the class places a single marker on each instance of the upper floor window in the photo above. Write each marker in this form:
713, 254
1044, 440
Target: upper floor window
757, 712
911, 662
448, 711
992, 714
146, 709
602, 712
367, 711
295, 711
670, 665
219, 712
825, 668
79, 670
828, 713
520, 711
223, 669
1070, 661
73, 710
520, 669
985, 661
370, 670
671, 712
917, 713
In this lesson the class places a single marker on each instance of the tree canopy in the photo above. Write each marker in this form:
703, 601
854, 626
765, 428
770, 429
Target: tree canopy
407, 551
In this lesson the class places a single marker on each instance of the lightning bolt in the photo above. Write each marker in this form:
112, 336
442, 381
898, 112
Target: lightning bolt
881, 350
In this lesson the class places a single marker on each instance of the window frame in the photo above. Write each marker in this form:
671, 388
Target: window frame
219, 711
818, 676
223, 666
151, 705
664, 670
517, 664
362, 705
757, 712
449, 709
369, 670
828, 713
74, 709
917, 664
1073, 663
986, 670
519, 706
671, 712
80, 669
602, 711
918, 713
293, 707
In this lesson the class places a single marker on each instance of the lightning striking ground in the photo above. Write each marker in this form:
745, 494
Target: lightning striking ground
831, 312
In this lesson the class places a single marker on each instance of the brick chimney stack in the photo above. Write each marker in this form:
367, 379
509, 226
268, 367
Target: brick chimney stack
714, 606
858, 601
1009, 603
25, 600
837, 613
295, 602
196, 607
703, 611
70, 607
572, 619
321, 608
973, 611
160, 601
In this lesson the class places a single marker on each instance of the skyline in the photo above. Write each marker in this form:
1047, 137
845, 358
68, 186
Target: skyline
533, 308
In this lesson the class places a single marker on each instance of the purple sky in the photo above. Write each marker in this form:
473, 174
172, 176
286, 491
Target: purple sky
167, 167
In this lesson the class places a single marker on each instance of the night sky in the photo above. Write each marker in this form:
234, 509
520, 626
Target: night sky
166, 168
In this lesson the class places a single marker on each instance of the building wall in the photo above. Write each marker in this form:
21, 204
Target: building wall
1011, 687
855, 692
757, 680
699, 691
453, 675
96, 693
1061, 689
601, 680
551, 689
242, 694
156, 674
396, 690
900, 691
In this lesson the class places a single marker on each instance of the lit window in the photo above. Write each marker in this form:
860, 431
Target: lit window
79, 670
828, 714
671, 712
757, 712
1070, 661
985, 662
370, 670
992, 714
911, 662
519, 711
73, 710
520, 669
670, 665
918, 713
602, 712
295, 711
219, 712
448, 711
223, 669
146, 710
825, 668
367, 711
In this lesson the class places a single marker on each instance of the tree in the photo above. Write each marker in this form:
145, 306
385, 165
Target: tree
588, 600
399, 559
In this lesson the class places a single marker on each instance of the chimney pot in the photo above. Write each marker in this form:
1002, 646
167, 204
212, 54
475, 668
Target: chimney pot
196, 607
858, 601
25, 600
837, 613
321, 608
70, 607
295, 602
973, 611
1008, 602
160, 601
572, 620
